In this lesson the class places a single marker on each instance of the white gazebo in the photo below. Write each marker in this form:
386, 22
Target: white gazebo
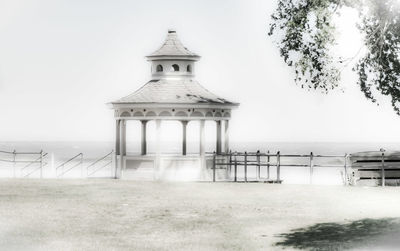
171, 94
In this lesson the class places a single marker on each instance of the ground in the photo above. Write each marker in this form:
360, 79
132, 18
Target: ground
132, 215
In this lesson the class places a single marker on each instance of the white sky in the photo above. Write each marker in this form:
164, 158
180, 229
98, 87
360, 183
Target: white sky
62, 61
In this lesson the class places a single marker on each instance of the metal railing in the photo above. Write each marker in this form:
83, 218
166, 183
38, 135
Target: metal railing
70, 161
14, 160
109, 162
42, 164
246, 159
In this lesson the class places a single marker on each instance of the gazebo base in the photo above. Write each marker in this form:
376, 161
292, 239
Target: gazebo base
170, 168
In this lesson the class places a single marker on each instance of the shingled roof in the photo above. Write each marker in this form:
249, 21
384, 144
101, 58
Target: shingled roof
172, 47
174, 91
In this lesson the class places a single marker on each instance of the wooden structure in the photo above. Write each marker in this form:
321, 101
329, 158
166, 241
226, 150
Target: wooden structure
171, 94
232, 161
375, 168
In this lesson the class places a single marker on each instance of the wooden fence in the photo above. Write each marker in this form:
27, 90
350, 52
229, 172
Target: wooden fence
267, 160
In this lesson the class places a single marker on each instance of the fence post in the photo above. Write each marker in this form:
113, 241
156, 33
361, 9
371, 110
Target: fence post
268, 161
230, 162
311, 167
14, 164
346, 180
383, 169
41, 163
235, 178
258, 165
245, 166
278, 166
214, 160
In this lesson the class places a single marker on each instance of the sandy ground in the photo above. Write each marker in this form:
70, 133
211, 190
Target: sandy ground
127, 215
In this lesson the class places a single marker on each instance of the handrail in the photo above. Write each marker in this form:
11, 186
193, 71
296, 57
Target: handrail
34, 161
97, 161
34, 170
102, 158
71, 159
68, 161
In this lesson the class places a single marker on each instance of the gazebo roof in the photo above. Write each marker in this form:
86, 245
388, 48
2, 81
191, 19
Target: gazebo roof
172, 47
173, 91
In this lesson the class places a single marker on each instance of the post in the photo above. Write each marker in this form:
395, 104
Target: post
258, 171
144, 138
15, 163
117, 136
122, 148
383, 169
311, 167
41, 163
184, 126
235, 178
230, 162
117, 146
278, 166
123, 137
214, 157
226, 139
218, 142
268, 163
245, 166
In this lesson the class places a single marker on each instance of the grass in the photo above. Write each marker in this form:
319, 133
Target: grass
131, 215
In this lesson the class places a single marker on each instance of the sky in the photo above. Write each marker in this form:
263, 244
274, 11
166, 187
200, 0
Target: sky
62, 61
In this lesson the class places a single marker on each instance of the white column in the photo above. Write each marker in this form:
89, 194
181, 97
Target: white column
184, 126
117, 136
226, 142
117, 147
122, 148
218, 142
144, 138
123, 137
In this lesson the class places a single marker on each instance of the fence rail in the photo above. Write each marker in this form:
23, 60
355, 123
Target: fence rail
13, 158
109, 162
62, 166
259, 159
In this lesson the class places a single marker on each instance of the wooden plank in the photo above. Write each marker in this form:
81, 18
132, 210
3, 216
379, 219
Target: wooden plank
378, 174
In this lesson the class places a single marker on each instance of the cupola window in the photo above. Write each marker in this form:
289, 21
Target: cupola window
175, 67
189, 68
159, 68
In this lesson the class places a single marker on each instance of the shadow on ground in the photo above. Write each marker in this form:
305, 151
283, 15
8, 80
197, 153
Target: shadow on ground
366, 233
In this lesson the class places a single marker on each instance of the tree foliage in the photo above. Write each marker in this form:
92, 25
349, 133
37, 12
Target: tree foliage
305, 33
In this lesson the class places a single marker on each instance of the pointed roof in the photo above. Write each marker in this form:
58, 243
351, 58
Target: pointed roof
174, 91
173, 47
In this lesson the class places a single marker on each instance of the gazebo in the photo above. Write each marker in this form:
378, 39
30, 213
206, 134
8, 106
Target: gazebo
171, 94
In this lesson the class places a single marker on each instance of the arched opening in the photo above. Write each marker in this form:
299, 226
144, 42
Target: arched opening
189, 68
159, 68
133, 135
171, 137
193, 137
210, 135
175, 67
